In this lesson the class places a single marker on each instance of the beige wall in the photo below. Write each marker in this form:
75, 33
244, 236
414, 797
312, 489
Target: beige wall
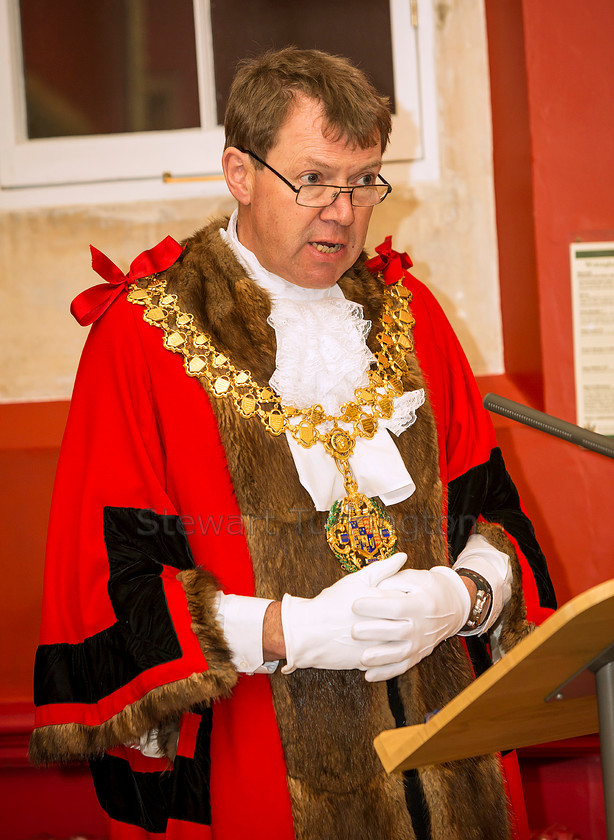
448, 227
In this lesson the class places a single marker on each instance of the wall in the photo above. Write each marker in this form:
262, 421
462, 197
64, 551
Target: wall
551, 78
552, 74
570, 71
448, 226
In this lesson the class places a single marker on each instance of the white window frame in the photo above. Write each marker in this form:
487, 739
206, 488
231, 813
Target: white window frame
130, 166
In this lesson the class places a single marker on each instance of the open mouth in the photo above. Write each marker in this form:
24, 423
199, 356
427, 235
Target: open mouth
327, 247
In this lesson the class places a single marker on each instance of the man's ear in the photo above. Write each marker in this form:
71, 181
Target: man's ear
238, 174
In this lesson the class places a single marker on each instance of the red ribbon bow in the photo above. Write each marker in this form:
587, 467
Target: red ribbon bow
92, 303
392, 264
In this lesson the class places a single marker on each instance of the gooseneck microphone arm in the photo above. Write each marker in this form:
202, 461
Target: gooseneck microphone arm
552, 425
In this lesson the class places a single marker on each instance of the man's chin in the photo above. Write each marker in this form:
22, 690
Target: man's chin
314, 282
323, 273
316, 278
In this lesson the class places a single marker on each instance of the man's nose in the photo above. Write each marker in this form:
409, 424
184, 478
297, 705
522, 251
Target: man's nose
341, 210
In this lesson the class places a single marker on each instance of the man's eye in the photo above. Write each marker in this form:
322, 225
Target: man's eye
311, 178
366, 180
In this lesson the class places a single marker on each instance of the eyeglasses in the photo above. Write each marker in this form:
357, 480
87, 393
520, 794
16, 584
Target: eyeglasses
323, 195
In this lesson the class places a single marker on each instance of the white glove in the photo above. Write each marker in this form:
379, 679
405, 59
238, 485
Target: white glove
318, 631
418, 611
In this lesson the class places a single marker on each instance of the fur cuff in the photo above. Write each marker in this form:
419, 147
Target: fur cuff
76, 742
201, 591
512, 624
159, 707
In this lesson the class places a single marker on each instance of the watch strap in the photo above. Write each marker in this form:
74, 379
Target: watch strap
483, 600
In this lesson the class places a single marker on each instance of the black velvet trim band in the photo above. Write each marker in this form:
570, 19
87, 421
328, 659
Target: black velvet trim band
139, 542
414, 793
488, 491
149, 800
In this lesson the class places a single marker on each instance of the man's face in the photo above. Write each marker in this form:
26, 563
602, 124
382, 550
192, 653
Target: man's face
308, 246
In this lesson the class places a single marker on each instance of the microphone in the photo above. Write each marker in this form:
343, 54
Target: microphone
552, 425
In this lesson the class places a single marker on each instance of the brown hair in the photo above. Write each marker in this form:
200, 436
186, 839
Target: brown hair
264, 89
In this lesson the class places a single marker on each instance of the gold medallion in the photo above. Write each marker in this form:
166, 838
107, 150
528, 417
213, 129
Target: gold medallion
195, 365
359, 531
306, 434
173, 340
247, 405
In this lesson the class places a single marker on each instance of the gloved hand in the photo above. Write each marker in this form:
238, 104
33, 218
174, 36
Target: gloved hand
318, 631
418, 611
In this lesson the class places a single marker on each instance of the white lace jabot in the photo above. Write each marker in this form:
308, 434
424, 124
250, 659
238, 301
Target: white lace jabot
322, 357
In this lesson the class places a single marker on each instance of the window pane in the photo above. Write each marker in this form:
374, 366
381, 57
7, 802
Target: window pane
109, 66
359, 30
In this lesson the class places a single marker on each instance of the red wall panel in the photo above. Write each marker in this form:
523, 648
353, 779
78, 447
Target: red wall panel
552, 75
552, 72
570, 76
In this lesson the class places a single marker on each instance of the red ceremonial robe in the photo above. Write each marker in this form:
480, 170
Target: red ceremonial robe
141, 436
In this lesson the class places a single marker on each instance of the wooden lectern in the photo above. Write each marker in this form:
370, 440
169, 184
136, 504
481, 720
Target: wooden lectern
556, 683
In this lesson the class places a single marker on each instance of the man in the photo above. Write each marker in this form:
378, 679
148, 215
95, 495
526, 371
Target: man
248, 381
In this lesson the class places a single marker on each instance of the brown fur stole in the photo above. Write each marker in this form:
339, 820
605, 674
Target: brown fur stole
328, 719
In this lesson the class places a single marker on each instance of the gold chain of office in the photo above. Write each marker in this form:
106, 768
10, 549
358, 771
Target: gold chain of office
222, 379
358, 529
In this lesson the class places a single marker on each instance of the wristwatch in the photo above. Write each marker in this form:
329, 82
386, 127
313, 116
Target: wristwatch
483, 600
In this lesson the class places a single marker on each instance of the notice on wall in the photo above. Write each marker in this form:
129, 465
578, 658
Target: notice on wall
592, 280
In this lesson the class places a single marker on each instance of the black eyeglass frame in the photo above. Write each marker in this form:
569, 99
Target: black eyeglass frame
349, 190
